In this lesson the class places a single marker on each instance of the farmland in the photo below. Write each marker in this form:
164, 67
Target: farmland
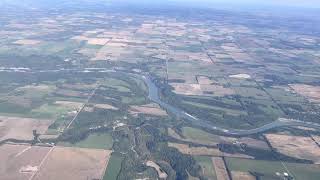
269, 169
114, 167
149, 94
208, 170
73, 163
94, 141
19, 157
21, 128
301, 147
36, 162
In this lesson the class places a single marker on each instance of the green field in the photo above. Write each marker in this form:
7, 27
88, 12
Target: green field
206, 167
304, 171
241, 82
269, 168
199, 135
129, 90
283, 96
250, 92
95, 141
119, 85
35, 101
216, 108
49, 111
62, 49
114, 167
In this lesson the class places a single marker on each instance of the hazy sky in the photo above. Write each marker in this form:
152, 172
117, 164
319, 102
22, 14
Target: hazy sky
193, 3
294, 3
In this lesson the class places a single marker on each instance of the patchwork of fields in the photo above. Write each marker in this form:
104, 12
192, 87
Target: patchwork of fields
75, 102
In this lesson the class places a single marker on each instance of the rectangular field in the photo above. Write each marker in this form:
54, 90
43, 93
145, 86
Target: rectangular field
271, 169
237, 175
206, 167
74, 164
20, 161
114, 166
149, 109
21, 128
93, 141
220, 168
295, 146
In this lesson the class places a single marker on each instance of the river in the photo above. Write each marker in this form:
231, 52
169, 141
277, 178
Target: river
153, 95
281, 122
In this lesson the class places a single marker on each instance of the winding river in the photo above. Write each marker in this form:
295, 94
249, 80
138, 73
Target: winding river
281, 122
154, 96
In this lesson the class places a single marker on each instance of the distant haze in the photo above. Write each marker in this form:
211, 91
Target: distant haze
301, 3
282, 3
231, 4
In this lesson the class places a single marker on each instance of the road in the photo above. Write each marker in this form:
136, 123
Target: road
154, 96
83, 106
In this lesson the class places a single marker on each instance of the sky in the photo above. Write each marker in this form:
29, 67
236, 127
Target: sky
282, 3
232, 4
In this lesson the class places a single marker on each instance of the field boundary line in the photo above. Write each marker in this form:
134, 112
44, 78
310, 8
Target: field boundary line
220, 168
41, 163
84, 104
107, 163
